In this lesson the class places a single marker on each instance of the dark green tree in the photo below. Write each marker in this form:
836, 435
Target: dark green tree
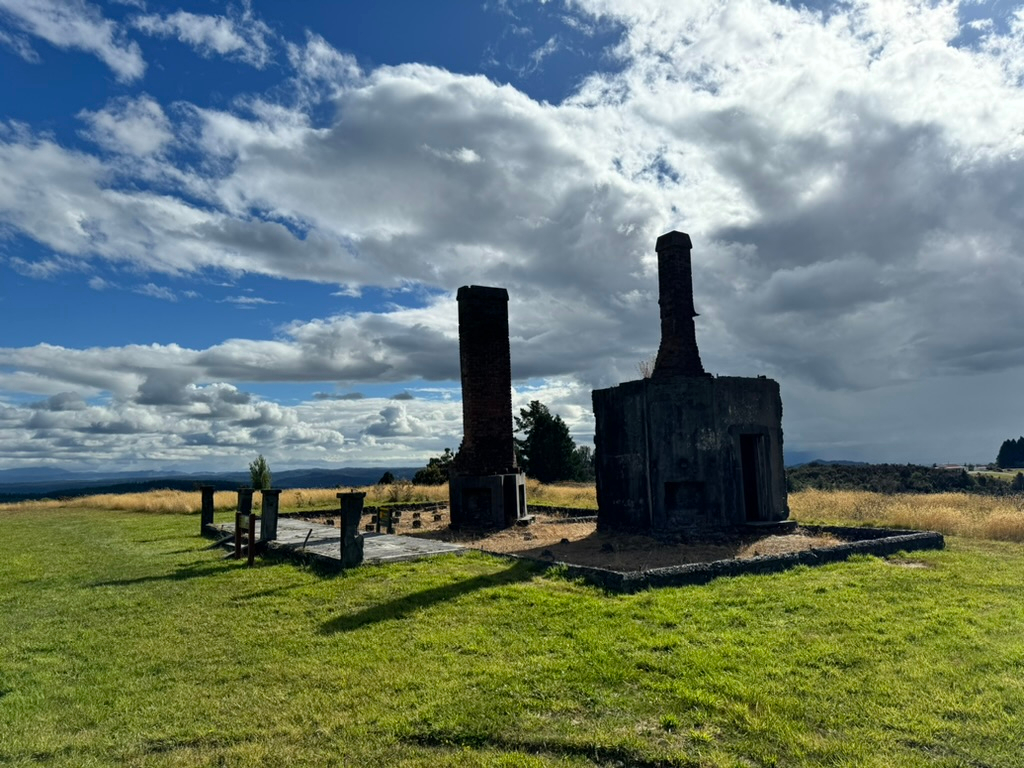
436, 471
1017, 484
1011, 454
584, 456
259, 472
546, 450
386, 479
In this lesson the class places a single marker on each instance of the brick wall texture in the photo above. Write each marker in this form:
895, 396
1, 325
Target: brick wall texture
678, 354
487, 447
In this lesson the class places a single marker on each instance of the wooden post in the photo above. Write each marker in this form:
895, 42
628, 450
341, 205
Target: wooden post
206, 513
252, 539
268, 520
351, 538
243, 518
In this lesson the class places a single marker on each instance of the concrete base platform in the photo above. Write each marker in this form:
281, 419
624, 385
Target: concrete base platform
300, 539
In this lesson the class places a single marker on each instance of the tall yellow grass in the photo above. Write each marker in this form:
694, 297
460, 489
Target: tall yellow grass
298, 500
568, 495
188, 502
957, 514
162, 501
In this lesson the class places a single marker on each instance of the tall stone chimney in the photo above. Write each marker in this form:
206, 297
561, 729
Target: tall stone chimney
487, 447
485, 488
678, 354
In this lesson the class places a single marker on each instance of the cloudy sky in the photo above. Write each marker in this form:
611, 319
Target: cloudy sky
231, 228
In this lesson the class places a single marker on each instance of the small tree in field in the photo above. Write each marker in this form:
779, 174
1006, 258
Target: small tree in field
259, 471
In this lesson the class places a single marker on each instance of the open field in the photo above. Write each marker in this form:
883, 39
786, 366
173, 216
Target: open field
126, 642
301, 500
958, 514
955, 514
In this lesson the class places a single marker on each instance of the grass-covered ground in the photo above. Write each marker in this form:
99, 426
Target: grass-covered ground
124, 641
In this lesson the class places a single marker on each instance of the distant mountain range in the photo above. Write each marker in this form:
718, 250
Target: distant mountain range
46, 482
829, 462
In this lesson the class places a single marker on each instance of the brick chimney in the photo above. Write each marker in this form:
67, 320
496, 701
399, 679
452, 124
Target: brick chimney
678, 354
487, 447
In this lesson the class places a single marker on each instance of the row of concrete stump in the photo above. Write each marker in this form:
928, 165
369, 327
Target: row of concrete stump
245, 538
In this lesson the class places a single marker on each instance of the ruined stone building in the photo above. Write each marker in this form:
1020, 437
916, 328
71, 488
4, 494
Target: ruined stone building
684, 450
486, 487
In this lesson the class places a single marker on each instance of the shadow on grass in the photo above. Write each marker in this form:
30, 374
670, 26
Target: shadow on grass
196, 570
605, 754
396, 609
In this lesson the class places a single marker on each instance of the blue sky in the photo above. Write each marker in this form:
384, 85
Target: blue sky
231, 228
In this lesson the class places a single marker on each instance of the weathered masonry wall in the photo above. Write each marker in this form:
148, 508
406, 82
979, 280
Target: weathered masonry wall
684, 450
485, 359
677, 354
486, 488
689, 453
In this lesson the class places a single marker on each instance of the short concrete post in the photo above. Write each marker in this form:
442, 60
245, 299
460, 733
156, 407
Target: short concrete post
244, 520
245, 500
351, 538
206, 515
268, 520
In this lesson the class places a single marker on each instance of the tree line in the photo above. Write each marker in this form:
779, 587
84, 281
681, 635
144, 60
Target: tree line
1011, 454
897, 478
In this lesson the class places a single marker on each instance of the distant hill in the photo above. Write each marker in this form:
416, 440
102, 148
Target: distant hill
43, 482
892, 478
830, 463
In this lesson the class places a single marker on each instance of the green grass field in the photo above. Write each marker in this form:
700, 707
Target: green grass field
124, 641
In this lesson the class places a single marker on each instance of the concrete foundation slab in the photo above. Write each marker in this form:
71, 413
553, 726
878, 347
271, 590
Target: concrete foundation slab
301, 540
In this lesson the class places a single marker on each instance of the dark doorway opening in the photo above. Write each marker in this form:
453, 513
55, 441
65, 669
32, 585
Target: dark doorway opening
752, 465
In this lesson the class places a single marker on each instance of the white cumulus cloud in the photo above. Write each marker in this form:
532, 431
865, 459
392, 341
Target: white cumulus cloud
75, 24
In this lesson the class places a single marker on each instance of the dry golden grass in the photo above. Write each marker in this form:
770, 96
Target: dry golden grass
300, 499
580, 495
978, 517
161, 501
957, 514
572, 495
188, 502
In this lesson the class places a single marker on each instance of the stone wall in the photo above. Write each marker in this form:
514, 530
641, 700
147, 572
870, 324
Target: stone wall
689, 453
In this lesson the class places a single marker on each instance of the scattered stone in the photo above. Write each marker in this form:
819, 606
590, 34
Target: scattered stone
564, 541
417, 523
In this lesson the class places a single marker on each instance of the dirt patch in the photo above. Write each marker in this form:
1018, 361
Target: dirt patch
554, 538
